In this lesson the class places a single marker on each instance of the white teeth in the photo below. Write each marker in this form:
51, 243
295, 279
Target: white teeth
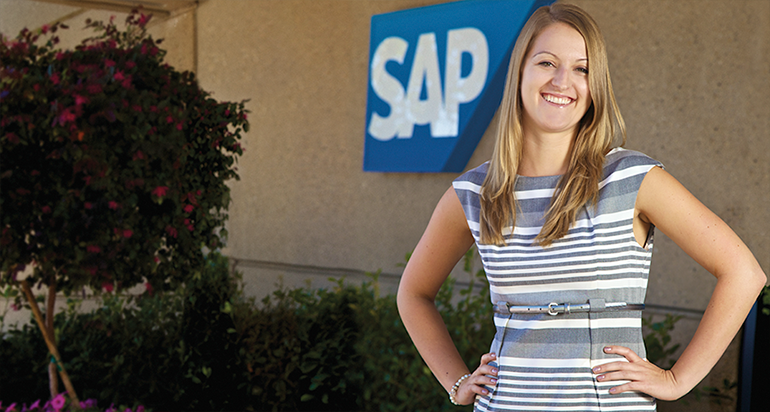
556, 100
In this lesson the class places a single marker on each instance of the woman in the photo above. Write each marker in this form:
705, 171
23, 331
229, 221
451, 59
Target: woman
564, 225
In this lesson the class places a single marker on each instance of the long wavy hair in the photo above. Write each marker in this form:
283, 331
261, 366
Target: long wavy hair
600, 127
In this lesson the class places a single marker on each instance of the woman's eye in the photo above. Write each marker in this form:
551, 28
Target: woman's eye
546, 64
582, 70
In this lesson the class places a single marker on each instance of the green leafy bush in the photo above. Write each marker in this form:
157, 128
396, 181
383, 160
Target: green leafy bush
347, 349
206, 347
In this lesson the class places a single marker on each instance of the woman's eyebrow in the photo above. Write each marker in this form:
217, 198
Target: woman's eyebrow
547, 52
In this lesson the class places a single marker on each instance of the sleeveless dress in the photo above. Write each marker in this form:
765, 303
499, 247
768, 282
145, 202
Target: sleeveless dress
545, 361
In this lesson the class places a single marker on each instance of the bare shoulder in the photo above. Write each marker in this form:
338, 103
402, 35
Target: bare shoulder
667, 204
444, 242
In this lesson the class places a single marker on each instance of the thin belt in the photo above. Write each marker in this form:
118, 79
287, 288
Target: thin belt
553, 308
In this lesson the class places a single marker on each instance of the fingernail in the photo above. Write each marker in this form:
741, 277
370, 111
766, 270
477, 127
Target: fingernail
600, 378
597, 369
608, 349
484, 391
494, 380
494, 356
494, 371
613, 390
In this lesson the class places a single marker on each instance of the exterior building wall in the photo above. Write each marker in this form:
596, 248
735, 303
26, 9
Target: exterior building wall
691, 78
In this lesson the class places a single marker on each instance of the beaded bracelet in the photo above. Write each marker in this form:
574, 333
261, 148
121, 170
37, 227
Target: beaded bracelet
456, 386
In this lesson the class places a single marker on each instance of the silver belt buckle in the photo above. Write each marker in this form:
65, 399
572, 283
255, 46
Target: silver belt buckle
552, 309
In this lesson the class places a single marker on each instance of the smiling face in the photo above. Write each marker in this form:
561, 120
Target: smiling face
554, 82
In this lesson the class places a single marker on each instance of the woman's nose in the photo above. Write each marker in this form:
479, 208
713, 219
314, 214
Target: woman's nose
561, 78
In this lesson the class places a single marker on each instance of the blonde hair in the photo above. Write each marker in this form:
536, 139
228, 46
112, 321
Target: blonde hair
596, 132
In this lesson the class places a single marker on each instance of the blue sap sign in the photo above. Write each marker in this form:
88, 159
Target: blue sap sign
436, 77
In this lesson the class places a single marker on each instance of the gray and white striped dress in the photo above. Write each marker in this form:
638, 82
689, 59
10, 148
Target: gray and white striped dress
545, 361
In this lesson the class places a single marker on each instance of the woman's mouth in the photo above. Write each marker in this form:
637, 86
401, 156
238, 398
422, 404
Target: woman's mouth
562, 101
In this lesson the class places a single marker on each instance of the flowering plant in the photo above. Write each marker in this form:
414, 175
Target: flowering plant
59, 403
113, 165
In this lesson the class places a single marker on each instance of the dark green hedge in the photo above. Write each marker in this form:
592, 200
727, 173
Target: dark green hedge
207, 347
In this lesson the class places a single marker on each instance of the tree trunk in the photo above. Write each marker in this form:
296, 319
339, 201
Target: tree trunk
49, 341
53, 377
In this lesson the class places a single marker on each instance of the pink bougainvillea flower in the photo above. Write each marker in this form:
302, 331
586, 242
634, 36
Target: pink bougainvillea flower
12, 138
160, 191
109, 63
93, 249
34, 405
138, 155
189, 208
155, 258
126, 83
143, 19
169, 119
66, 116
119, 75
60, 56
80, 100
113, 205
58, 402
107, 286
171, 231
11, 407
88, 205
130, 64
46, 209
55, 78
148, 288
127, 233
179, 126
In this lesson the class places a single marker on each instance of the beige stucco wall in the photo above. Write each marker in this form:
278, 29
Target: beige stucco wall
691, 81
691, 76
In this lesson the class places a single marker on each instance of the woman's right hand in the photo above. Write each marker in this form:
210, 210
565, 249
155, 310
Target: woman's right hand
469, 388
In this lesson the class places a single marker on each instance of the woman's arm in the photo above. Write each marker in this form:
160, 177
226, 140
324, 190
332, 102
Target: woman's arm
665, 203
444, 243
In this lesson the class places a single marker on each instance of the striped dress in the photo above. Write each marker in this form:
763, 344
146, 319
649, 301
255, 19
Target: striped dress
545, 361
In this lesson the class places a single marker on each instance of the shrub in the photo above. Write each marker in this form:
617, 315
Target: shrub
206, 347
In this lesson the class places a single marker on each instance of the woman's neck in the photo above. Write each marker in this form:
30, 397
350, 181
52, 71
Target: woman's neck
545, 155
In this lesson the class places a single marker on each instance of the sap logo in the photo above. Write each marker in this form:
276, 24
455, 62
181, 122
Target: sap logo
441, 108
436, 77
